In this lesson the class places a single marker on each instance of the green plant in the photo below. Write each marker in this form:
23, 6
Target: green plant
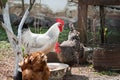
109, 73
64, 35
4, 45
3, 35
23, 51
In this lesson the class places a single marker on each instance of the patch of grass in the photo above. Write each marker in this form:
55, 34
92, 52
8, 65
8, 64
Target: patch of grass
3, 35
1, 56
109, 73
4, 45
63, 36
90, 66
5, 50
112, 37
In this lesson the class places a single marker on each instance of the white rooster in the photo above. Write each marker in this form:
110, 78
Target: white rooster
41, 42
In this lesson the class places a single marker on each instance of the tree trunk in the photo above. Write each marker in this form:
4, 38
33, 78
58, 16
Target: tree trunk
82, 21
102, 23
14, 40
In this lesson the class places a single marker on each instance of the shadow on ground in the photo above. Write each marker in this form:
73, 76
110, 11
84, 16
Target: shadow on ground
75, 77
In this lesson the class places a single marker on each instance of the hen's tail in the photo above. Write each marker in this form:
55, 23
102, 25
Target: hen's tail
17, 22
25, 26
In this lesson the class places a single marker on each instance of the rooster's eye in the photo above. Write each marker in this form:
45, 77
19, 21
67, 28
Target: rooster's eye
59, 25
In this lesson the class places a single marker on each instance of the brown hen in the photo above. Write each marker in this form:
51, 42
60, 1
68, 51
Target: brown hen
34, 67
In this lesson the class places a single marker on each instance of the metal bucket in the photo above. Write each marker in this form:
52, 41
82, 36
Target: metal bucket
57, 71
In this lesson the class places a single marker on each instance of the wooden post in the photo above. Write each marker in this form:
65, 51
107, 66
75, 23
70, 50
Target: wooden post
82, 21
102, 23
23, 7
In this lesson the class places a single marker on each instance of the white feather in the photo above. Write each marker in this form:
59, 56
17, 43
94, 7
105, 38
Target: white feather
41, 42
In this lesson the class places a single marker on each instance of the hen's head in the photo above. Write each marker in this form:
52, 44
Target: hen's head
61, 24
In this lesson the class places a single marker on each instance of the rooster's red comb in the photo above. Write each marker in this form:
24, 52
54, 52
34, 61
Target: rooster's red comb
60, 20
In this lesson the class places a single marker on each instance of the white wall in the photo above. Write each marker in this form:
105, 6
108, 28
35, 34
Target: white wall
54, 5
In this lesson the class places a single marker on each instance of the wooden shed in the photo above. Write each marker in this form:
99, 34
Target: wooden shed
82, 15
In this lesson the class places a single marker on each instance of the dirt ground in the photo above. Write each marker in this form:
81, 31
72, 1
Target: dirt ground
82, 72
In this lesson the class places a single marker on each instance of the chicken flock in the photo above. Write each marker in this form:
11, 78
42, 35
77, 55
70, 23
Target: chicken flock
34, 66
39, 45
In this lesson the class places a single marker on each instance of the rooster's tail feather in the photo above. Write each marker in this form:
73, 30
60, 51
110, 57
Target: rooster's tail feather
25, 26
